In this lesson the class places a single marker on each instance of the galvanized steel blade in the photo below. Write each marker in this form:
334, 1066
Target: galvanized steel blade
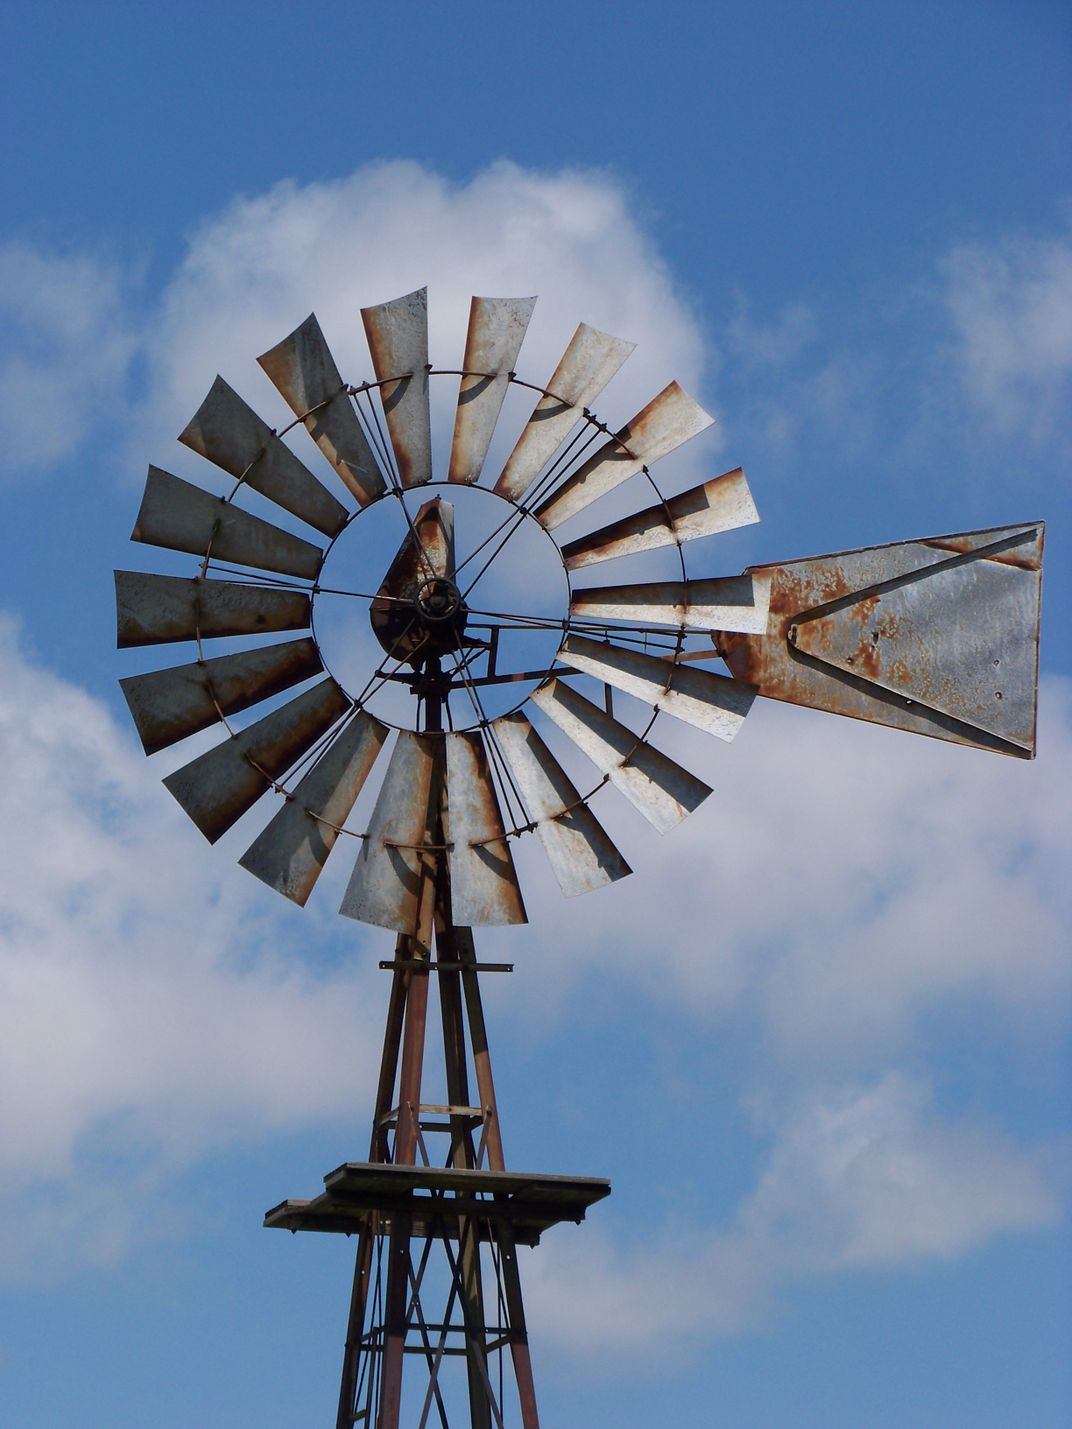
657, 786
217, 788
666, 422
289, 855
153, 610
304, 372
228, 432
483, 883
168, 705
581, 854
586, 367
937, 636
496, 331
722, 504
395, 869
179, 516
722, 603
699, 697
397, 334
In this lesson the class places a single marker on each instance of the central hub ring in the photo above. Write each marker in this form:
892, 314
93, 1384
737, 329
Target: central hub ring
438, 598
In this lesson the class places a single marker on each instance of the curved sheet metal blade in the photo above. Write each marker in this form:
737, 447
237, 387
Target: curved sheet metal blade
662, 791
179, 516
168, 705
397, 334
723, 603
483, 883
217, 788
722, 504
227, 431
153, 610
289, 855
496, 331
665, 423
699, 697
578, 848
304, 372
586, 367
393, 882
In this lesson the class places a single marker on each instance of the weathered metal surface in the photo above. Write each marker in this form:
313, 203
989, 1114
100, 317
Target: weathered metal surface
154, 610
581, 854
723, 603
586, 367
484, 886
397, 335
395, 868
496, 331
168, 705
417, 611
304, 372
662, 791
179, 516
666, 422
217, 788
227, 431
937, 636
722, 504
289, 855
698, 697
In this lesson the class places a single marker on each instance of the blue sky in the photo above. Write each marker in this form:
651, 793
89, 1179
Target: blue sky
819, 1040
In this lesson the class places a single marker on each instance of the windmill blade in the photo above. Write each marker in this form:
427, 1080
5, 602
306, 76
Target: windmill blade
725, 603
662, 791
699, 697
397, 334
666, 422
496, 331
393, 879
289, 855
168, 705
217, 788
722, 504
179, 516
227, 431
936, 636
484, 887
154, 610
586, 367
304, 372
581, 854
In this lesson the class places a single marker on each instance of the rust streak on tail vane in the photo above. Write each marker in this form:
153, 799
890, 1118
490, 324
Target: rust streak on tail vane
397, 334
496, 331
229, 433
723, 603
153, 610
304, 372
484, 886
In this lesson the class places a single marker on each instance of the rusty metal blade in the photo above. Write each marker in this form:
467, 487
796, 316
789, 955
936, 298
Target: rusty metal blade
304, 372
666, 422
393, 878
484, 887
289, 855
217, 788
662, 791
168, 705
724, 603
699, 697
397, 335
587, 365
581, 855
179, 516
722, 504
937, 636
227, 431
153, 610
496, 331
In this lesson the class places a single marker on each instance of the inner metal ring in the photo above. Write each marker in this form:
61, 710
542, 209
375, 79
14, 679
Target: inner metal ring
438, 598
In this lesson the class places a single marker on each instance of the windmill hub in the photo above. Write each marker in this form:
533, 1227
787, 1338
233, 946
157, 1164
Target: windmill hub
439, 599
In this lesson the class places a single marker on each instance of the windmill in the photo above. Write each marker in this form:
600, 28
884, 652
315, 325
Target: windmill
454, 739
